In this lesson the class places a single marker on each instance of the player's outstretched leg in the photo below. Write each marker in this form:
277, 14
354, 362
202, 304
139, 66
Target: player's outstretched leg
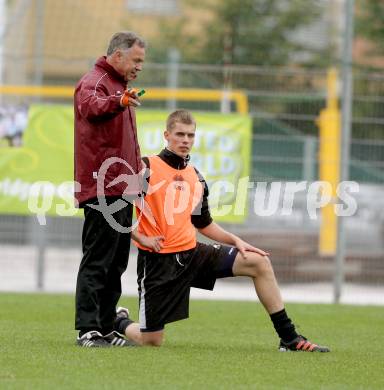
259, 268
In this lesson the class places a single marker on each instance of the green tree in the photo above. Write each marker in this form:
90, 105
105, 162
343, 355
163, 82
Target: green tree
370, 23
368, 88
249, 32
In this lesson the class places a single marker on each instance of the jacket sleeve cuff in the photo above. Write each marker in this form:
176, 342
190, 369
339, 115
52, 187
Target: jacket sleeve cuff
118, 107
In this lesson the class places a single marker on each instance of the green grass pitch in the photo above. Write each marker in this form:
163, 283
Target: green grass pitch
224, 345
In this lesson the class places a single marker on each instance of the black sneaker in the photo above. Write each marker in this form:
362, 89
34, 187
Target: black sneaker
122, 320
92, 339
300, 343
115, 339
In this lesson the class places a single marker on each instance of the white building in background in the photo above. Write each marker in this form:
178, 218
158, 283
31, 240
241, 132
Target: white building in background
154, 7
325, 31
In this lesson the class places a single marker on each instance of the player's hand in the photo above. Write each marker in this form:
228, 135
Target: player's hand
244, 247
153, 243
130, 98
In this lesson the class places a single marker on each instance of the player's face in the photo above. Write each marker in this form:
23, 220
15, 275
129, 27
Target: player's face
180, 139
130, 61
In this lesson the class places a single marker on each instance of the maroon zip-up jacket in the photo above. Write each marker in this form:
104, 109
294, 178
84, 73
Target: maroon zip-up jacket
103, 129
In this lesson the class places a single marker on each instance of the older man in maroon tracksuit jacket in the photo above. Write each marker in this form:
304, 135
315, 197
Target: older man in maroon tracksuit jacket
105, 127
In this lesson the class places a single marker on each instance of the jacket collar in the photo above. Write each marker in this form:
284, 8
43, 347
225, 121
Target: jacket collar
102, 63
173, 159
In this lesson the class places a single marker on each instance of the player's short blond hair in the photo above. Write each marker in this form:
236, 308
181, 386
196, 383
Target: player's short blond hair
180, 116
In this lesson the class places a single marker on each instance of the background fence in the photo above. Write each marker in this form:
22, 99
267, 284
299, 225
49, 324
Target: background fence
284, 103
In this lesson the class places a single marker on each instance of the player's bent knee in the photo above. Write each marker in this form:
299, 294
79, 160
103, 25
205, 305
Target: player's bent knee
154, 339
264, 264
254, 265
267, 261
153, 343
259, 263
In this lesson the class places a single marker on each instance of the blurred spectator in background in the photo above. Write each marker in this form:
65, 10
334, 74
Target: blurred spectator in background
13, 122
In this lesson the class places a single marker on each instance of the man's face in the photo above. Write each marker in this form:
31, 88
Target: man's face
130, 61
180, 139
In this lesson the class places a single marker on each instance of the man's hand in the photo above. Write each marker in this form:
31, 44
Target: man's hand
244, 247
217, 233
152, 243
130, 98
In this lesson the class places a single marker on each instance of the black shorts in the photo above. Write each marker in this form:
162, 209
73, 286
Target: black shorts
165, 281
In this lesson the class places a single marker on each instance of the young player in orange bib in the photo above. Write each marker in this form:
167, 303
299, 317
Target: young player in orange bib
171, 261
